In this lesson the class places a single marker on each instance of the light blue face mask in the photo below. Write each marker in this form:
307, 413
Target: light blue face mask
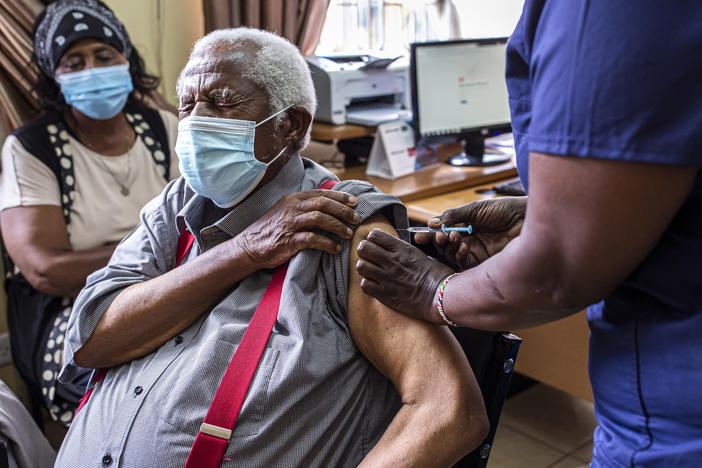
99, 93
217, 157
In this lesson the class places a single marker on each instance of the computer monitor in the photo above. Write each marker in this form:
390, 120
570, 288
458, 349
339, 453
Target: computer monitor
459, 93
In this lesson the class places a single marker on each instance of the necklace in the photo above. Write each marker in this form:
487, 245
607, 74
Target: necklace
124, 186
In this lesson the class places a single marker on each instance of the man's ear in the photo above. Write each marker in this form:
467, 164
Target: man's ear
300, 120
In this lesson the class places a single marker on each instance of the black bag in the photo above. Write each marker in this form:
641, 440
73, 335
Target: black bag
30, 315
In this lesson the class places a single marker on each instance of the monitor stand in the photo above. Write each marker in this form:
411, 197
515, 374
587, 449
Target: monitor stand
474, 155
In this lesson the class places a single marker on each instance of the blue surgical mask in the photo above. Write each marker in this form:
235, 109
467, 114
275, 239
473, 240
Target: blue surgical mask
217, 157
99, 93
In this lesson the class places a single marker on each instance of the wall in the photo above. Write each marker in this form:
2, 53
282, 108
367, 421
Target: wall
488, 18
163, 31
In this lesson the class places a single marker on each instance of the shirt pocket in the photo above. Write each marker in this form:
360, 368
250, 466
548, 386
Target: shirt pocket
197, 380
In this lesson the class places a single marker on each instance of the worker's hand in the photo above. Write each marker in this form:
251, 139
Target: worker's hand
495, 222
289, 225
400, 275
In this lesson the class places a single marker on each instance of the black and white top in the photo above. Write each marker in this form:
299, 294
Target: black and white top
98, 211
43, 163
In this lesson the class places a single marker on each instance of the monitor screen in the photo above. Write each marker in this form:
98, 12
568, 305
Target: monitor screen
459, 90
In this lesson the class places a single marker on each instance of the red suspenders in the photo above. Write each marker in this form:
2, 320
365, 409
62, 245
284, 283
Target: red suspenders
211, 442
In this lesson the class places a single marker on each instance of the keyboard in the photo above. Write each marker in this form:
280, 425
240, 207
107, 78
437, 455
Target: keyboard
511, 187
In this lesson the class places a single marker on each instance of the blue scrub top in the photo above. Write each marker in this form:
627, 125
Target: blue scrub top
622, 80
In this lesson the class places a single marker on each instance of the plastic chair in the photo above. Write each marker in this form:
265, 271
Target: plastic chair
36, 401
492, 356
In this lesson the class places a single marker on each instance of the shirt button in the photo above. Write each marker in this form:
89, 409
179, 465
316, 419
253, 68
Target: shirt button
138, 390
107, 459
178, 339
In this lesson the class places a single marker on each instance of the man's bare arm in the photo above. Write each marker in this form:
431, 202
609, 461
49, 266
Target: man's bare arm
442, 415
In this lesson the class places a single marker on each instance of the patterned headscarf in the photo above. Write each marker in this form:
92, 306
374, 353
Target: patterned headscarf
65, 22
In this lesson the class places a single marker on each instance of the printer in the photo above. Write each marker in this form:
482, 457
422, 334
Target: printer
360, 89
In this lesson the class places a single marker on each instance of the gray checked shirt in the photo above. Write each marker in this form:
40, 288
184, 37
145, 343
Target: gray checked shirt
314, 400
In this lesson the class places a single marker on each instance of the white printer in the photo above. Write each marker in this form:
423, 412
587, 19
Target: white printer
360, 89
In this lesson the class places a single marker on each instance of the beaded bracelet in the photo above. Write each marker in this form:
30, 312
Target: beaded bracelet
440, 301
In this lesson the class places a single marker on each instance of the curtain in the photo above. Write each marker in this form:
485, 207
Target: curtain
16, 76
299, 21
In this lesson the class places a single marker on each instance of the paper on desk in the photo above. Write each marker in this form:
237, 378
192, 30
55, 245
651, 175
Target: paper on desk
503, 143
392, 154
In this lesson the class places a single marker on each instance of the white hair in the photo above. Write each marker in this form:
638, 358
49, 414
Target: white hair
278, 67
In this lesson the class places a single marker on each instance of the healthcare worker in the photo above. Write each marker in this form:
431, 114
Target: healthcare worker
606, 100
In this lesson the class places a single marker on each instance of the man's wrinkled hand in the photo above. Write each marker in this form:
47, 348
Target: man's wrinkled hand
400, 275
495, 222
288, 226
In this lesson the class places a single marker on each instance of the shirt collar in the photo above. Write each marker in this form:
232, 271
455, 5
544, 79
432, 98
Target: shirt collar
200, 212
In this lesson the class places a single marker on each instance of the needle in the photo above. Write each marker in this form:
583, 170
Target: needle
444, 229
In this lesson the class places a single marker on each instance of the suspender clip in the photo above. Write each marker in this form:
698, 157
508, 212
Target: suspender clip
215, 431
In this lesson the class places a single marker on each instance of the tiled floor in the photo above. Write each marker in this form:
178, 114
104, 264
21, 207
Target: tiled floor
543, 428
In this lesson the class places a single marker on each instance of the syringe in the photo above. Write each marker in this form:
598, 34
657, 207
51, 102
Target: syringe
443, 228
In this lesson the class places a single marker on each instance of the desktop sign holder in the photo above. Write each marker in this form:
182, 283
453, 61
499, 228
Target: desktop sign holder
392, 154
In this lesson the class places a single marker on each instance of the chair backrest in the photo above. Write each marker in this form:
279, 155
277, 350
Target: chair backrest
4, 458
492, 356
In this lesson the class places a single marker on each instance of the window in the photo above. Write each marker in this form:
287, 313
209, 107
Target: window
391, 25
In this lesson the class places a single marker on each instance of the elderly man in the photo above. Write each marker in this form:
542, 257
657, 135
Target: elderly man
342, 379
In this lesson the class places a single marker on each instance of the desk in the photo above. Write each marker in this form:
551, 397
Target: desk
434, 180
424, 209
425, 183
328, 132
555, 353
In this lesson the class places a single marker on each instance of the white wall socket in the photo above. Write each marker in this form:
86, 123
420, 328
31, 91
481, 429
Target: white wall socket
5, 354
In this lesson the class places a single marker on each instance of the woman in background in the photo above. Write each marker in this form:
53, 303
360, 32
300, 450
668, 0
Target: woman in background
74, 180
